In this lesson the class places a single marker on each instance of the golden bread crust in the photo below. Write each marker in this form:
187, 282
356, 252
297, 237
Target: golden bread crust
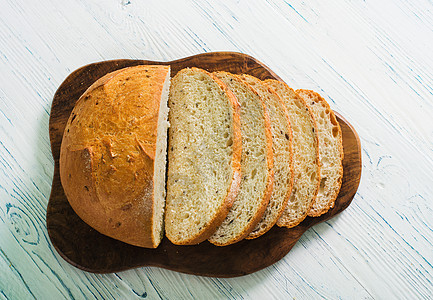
108, 151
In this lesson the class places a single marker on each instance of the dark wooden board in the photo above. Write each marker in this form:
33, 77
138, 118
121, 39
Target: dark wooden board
91, 251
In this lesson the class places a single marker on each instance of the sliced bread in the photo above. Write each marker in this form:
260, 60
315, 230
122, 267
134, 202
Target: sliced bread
330, 152
306, 155
113, 152
204, 152
283, 155
256, 165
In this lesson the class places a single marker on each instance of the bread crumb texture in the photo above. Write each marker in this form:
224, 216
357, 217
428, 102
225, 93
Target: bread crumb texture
330, 152
256, 165
204, 142
282, 149
306, 160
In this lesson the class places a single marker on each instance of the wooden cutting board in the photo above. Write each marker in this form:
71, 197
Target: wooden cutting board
91, 251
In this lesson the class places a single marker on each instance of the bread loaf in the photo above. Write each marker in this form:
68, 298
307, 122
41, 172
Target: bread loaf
330, 152
112, 157
256, 165
283, 155
203, 157
243, 155
306, 156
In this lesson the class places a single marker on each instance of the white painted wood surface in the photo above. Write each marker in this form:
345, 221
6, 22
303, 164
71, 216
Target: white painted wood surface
373, 61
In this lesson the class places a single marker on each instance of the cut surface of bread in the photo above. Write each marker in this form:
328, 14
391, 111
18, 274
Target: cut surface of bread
204, 151
306, 155
330, 152
256, 165
113, 154
283, 155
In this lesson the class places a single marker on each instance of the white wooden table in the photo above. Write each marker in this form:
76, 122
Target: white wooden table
373, 62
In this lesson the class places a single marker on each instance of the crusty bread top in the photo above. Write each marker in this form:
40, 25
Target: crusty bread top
306, 155
256, 165
108, 151
330, 152
204, 156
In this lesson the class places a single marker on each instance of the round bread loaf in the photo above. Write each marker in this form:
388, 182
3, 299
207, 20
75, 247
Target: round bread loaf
113, 155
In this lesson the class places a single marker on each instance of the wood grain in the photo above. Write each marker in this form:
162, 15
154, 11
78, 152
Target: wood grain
87, 249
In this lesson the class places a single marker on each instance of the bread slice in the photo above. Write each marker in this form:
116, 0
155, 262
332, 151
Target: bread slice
330, 152
283, 155
203, 157
113, 154
306, 155
256, 165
